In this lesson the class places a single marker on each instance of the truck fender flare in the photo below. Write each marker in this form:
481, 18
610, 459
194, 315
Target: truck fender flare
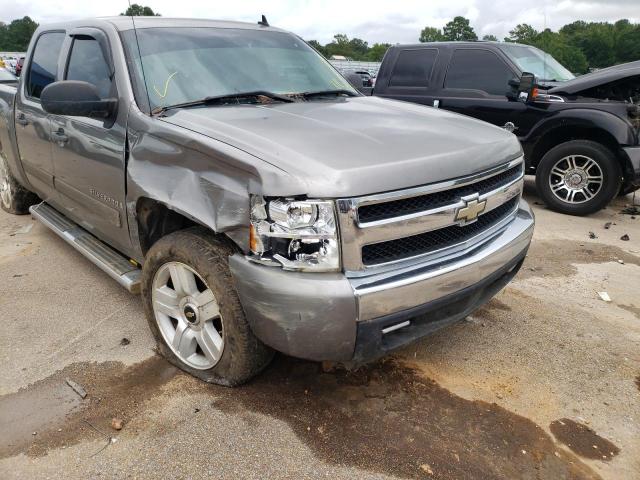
616, 127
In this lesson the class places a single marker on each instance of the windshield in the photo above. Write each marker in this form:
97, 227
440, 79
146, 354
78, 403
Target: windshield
188, 64
541, 64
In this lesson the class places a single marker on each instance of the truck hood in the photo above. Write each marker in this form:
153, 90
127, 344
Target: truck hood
596, 79
355, 146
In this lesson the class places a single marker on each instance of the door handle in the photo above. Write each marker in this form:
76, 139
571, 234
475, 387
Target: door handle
22, 119
60, 137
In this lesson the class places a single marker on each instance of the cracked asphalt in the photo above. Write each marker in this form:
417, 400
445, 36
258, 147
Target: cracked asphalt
541, 383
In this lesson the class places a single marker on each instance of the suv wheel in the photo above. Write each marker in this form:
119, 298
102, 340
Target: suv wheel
14, 198
578, 177
194, 311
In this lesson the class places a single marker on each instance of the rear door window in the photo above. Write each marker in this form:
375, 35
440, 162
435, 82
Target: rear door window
477, 69
44, 63
413, 68
87, 63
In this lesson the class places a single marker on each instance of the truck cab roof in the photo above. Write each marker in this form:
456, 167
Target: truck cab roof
123, 23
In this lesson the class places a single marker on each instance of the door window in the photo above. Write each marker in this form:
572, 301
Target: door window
475, 69
44, 63
87, 63
413, 68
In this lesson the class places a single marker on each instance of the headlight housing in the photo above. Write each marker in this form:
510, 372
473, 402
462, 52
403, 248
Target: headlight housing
297, 234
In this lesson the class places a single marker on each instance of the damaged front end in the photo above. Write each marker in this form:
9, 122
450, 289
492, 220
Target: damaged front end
620, 84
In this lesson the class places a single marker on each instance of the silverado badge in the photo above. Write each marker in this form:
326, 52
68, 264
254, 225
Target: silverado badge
470, 211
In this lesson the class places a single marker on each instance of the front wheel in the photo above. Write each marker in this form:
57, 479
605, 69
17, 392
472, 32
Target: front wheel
194, 311
14, 198
578, 177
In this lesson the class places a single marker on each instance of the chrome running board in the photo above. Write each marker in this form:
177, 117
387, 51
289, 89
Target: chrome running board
103, 256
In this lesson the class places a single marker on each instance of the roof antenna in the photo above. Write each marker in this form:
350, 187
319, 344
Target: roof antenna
263, 21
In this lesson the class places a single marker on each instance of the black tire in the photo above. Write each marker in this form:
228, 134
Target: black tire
244, 355
601, 155
14, 198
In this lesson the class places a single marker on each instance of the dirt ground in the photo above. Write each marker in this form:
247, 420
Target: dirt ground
542, 383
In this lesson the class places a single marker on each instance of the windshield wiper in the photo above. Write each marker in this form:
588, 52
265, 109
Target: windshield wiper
222, 99
322, 93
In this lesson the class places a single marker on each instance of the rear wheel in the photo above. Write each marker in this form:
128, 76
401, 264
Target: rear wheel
14, 198
194, 311
578, 177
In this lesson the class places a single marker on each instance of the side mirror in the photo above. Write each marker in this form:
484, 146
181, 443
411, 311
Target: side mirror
527, 86
523, 89
76, 99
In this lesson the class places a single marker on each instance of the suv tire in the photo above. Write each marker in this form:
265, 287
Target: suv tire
578, 177
14, 198
194, 311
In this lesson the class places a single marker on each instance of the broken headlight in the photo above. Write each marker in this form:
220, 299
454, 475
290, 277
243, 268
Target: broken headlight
298, 234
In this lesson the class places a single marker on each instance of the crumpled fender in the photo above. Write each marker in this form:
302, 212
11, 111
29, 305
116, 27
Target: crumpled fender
203, 179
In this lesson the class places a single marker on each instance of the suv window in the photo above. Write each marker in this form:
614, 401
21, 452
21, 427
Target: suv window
475, 69
87, 63
413, 68
44, 63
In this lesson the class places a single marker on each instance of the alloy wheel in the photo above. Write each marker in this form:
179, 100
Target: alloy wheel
576, 179
188, 315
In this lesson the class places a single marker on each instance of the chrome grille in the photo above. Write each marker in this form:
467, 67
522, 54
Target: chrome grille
424, 243
405, 206
381, 231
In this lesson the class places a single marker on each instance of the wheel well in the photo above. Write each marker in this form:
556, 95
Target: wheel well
556, 136
155, 220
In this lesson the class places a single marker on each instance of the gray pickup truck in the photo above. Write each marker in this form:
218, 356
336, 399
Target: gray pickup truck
234, 178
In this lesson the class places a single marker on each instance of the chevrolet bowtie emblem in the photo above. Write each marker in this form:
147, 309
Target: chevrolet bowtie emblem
471, 210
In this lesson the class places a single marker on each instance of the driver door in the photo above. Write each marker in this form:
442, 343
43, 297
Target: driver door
88, 153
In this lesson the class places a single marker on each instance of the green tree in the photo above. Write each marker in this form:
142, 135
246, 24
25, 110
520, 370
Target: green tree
595, 40
358, 48
431, 34
459, 29
4, 39
626, 41
523, 33
557, 46
16, 35
355, 48
316, 44
136, 10
490, 38
376, 52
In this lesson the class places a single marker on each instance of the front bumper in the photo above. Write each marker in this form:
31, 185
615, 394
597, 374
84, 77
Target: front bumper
327, 316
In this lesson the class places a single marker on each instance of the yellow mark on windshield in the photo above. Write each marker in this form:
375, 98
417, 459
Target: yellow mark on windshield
166, 86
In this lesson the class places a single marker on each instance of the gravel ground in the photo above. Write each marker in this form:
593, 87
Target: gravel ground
543, 382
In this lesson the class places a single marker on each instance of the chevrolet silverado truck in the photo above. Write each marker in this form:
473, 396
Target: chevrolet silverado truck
228, 173
580, 135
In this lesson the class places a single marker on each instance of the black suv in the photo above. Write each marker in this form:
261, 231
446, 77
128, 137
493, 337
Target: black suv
579, 134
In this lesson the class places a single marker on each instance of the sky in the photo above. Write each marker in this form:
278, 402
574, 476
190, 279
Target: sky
398, 21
